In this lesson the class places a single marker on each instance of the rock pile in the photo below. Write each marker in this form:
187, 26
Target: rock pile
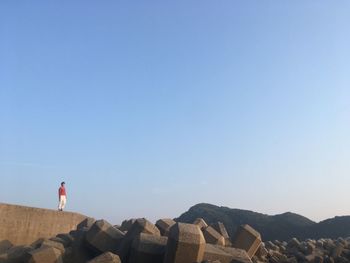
310, 250
140, 241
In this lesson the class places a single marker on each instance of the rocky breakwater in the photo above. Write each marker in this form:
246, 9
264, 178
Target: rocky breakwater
140, 241
310, 250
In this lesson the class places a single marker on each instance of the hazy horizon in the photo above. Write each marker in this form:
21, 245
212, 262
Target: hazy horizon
147, 108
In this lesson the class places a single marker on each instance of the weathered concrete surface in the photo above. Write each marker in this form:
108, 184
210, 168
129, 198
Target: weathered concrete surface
103, 237
44, 255
23, 225
164, 225
214, 253
140, 225
5, 245
213, 237
148, 248
106, 257
186, 244
248, 239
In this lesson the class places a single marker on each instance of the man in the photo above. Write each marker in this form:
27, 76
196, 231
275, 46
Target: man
62, 197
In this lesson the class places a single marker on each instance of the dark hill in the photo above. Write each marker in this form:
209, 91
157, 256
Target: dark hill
282, 227
338, 226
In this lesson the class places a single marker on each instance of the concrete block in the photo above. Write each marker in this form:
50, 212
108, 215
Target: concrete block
118, 227
248, 239
37, 243
277, 257
212, 253
67, 238
87, 222
262, 252
107, 257
15, 254
201, 223
3, 258
164, 225
220, 227
59, 240
186, 244
213, 237
337, 251
45, 255
126, 224
54, 244
80, 253
148, 248
293, 243
5, 245
140, 225
103, 237
68, 256
238, 255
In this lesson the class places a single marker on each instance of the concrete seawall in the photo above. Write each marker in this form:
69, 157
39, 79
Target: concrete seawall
24, 225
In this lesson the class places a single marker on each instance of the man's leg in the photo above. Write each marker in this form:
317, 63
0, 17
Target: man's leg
59, 204
64, 200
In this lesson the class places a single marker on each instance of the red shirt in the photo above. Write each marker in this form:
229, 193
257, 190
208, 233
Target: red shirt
62, 191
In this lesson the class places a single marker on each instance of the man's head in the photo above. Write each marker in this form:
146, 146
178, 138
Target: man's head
63, 183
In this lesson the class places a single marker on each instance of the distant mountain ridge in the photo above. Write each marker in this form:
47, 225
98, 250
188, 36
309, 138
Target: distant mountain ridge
271, 227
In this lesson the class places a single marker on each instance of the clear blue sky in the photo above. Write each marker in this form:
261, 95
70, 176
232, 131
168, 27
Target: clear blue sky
146, 108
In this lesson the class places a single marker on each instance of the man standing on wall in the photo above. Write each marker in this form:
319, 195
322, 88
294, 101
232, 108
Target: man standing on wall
62, 197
